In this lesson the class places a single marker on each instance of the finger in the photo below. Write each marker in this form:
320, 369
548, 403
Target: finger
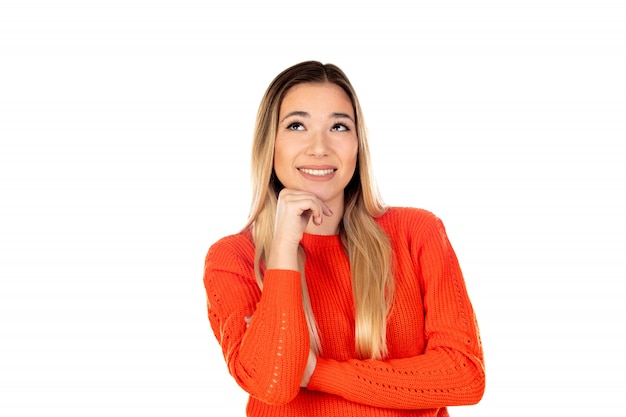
322, 210
306, 204
315, 213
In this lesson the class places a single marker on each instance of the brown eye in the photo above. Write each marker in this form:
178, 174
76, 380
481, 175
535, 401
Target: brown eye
340, 127
295, 126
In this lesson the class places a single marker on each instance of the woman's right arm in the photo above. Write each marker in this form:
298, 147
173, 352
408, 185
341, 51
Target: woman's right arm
264, 335
268, 357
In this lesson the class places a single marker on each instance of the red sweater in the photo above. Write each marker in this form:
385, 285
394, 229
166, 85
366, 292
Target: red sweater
435, 355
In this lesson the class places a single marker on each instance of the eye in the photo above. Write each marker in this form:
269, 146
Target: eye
295, 126
340, 127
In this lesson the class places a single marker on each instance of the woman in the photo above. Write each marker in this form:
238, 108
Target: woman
328, 302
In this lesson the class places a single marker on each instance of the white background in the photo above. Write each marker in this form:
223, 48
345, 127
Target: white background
125, 132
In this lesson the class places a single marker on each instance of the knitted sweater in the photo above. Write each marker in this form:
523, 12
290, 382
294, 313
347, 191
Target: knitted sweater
435, 355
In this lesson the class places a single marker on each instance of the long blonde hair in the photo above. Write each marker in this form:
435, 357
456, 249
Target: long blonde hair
367, 245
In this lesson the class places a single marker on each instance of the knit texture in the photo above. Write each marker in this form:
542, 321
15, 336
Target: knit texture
435, 355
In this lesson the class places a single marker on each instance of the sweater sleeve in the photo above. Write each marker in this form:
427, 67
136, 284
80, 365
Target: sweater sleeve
449, 372
267, 359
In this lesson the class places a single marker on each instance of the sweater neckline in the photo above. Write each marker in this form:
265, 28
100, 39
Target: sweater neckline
317, 241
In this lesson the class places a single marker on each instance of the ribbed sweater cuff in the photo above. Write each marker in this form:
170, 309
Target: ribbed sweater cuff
324, 375
281, 284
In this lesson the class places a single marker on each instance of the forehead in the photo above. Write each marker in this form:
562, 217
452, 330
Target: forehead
325, 97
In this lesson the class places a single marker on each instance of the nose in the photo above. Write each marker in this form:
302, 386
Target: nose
318, 144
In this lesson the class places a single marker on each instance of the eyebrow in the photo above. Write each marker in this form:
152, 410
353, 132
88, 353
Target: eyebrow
296, 113
342, 116
305, 114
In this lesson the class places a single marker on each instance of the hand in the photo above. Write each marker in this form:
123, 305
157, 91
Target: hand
310, 368
294, 210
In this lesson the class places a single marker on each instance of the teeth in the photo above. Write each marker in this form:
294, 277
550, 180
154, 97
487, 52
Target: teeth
317, 172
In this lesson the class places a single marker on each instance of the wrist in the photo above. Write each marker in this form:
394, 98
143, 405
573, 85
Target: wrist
283, 255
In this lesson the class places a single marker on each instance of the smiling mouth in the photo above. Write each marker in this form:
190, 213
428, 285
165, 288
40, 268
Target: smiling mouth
317, 172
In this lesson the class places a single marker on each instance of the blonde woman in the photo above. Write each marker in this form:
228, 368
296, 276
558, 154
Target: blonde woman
329, 303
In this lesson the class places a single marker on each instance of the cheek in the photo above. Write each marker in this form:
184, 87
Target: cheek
279, 154
282, 159
353, 154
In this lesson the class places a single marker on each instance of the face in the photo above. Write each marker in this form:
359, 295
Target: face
316, 144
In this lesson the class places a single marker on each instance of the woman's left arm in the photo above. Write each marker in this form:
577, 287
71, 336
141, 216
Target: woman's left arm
451, 369
440, 377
